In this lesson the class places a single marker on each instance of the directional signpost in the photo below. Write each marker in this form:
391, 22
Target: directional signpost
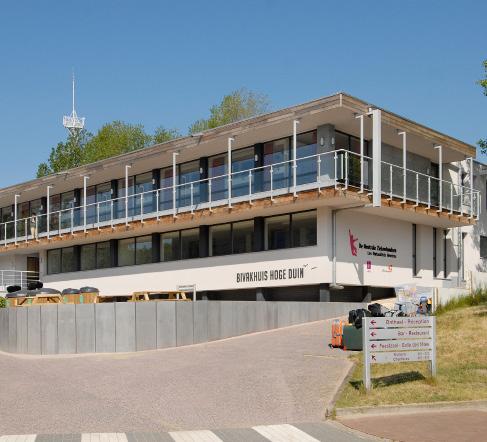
399, 339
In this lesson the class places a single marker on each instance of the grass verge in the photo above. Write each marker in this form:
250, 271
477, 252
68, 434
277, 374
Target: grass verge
461, 364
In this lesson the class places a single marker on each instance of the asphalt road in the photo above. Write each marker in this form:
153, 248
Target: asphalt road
282, 376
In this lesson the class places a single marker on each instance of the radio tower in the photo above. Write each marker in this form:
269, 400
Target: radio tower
72, 122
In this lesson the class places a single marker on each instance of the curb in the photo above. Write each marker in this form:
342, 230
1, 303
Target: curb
330, 410
432, 407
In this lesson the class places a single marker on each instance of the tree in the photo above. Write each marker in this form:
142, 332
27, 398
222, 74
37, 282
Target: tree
161, 135
65, 155
236, 106
483, 143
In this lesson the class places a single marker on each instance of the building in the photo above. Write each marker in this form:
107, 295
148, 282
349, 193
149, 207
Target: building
335, 199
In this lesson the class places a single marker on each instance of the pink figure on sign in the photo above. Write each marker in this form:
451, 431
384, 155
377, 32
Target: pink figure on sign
353, 247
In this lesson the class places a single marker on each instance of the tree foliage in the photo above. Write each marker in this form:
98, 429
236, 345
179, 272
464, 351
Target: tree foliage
161, 135
236, 106
483, 143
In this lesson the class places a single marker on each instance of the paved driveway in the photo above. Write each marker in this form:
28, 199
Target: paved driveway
282, 376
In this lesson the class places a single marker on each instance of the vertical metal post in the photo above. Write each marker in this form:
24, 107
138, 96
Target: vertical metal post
361, 117
433, 351
318, 178
142, 208
174, 179
16, 198
48, 209
471, 185
250, 186
451, 197
272, 176
25, 229
366, 352
85, 180
191, 196
295, 147
417, 189
127, 167
390, 181
157, 203
346, 169
429, 191
98, 215
440, 176
229, 170
209, 194
376, 157
336, 171
404, 159
111, 213
59, 224
72, 220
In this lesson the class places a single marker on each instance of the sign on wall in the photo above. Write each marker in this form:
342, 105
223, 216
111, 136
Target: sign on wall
399, 339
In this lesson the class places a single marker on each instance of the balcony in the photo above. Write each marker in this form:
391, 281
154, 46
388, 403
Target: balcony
336, 173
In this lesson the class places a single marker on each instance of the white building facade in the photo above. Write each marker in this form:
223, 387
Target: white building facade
289, 205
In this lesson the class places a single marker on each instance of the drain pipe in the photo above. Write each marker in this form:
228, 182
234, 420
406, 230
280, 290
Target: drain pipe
334, 285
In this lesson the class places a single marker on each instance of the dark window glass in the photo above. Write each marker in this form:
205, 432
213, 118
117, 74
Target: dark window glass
306, 168
103, 255
67, 203
88, 257
190, 245
23, 215
303, 229
217, 169
220, 240
165, 194
188, 173
67, 260
342, 141
170, 246
143, 250
243, 233
120, 209
483, 246
103, 197
277, 232
54, 261
8, 228
126, 252
143, 189
276, 152
54, 207
242, 161
90, 205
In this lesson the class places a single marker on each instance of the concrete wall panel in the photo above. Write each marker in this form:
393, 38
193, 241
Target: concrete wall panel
125, 326
184, 323
66, 328
85, 328
200, 317
227, 320
145, 325
271, 315
241, 317
214, 320
284, 314
314, 311
3, 329
34, 330
166, 324
105, 327
260, 316
49, 332
12, 329
22, 330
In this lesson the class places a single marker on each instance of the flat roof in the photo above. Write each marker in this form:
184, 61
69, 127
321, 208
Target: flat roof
337, 100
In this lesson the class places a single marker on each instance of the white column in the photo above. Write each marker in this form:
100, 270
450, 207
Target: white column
85, 180
376, 154
127, 167
48, 209
174, 179
471, 186
16, 199
295, 147
404, 160
229, 170
361, 118
440, 177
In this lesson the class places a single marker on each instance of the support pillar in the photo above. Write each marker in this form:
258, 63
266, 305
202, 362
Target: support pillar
367, 294
259, 294
324, 293
376, 157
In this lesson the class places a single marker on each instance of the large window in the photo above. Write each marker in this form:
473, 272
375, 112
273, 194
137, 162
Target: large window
120, 206
242, 161
143, 250
103, 197
243, 234
217, 169
221, 239
88, 257
188, 173
295, 230
126, 252
483, 247
170, 246
306, 163
276, 152
165, 194
144, 186
54, 261
68, 260
103, 255
190, 244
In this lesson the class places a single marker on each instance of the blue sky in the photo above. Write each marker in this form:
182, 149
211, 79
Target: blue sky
166, 62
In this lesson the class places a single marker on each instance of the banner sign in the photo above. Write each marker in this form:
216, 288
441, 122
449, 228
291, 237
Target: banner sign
399, 339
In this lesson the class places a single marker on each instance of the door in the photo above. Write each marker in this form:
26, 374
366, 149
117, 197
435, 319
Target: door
32, 268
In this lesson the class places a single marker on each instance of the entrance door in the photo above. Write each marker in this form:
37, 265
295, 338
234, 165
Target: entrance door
32, 268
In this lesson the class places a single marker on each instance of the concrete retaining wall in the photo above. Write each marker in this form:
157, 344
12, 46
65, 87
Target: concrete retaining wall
125, 327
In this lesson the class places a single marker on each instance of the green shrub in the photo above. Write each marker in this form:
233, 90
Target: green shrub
478, 297
3, 302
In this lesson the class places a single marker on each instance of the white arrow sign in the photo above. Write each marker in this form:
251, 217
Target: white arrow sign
400, 333
400, 345
416, 321
400, 356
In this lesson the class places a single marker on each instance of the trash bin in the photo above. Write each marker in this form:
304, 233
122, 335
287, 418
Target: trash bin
352, 337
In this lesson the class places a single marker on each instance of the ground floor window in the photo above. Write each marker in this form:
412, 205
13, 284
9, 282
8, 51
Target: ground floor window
483, 246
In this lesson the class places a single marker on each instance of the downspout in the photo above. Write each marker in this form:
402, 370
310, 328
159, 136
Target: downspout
334, 285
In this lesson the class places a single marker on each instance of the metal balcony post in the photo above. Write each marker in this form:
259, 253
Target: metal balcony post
72, 220
471, 186
59, 224
127, 167
229, 170
336, 171
318, 167
174, 180
98, 215
451, 197
429, 192
295, 143
16, 198
461, 201
390, 181
142, 208
191, 196
5, 234
85, 179
440, 177
346, 170
361, 118
417, 190
250, 186
404, 158
111, 213
25, 230
48, 208
272, 186
210, 184
478, 206
157, 203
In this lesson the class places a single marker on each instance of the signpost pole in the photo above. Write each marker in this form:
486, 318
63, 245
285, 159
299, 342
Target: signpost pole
433, 351
365, 347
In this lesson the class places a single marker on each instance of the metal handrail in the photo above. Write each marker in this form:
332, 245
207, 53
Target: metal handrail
338, 174
17, 277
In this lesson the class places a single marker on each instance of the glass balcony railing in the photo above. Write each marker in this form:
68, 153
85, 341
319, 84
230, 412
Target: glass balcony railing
338, 169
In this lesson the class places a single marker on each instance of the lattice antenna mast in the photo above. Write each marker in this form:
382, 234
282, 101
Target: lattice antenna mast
72, 122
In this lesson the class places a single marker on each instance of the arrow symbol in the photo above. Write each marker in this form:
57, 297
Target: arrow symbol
373, 322
373, 334
373, 345
373, 357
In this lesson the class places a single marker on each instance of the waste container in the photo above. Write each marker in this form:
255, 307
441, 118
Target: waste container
352, 337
